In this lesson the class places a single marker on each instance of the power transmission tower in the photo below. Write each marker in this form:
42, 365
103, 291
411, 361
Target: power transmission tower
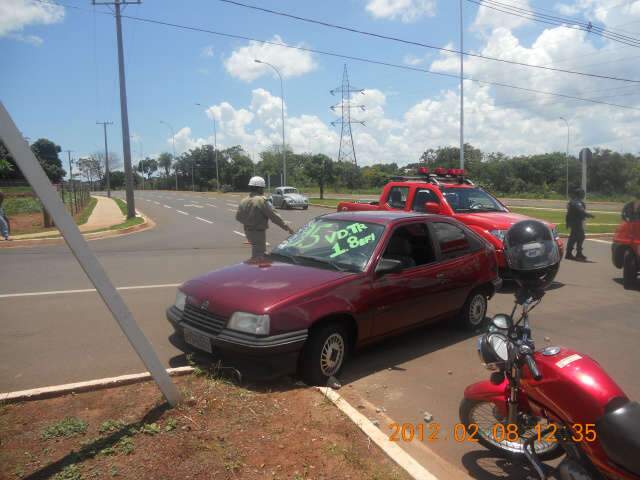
347, 150
126, 144
106, 158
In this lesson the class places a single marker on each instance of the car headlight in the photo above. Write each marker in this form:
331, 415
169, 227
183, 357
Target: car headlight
499, 234
181, 299
249, 323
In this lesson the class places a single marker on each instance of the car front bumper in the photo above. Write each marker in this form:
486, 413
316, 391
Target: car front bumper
274, 353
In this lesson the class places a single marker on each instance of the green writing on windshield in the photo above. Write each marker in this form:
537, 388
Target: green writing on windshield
353, 243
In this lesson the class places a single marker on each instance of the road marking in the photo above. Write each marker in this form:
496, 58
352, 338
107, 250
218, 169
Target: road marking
204, 220
86, 290
181, 199
193, 205
166, 206
232, 204
156, 202
180, 211
599, 241
239, 233
229, 210
214, 206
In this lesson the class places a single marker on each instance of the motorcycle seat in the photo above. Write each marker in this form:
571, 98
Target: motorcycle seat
619, 433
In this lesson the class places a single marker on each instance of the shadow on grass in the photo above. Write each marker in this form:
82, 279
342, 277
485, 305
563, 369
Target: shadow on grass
94, 448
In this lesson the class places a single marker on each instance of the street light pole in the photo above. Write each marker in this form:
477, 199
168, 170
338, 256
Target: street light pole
106, 158
566, 156
461, 90
173, 139
284, 149
215, 148
134, 137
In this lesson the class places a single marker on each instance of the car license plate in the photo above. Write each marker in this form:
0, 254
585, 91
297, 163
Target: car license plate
198, 340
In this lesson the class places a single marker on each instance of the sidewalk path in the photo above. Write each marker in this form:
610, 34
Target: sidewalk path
105, 214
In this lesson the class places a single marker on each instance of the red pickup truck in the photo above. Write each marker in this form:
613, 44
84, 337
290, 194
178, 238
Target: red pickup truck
625, 249
449, 192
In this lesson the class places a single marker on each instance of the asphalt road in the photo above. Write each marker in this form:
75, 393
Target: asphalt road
52, 338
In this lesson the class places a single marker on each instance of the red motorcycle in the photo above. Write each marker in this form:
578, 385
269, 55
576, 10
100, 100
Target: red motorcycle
542, 404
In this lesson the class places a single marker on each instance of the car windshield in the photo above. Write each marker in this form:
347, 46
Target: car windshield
289, 190
338, 244
464, 200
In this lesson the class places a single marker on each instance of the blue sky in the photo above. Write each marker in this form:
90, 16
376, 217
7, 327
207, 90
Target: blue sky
60, 77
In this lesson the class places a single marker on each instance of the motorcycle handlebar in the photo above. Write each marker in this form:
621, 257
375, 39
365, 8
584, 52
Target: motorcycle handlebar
533, 368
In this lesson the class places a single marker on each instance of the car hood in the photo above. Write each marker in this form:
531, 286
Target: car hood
494, 220
256, 288
295, 197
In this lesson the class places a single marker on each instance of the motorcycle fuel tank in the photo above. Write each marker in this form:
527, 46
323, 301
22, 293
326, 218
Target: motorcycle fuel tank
574, 386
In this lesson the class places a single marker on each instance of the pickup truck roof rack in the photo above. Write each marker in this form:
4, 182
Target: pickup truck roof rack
434, 179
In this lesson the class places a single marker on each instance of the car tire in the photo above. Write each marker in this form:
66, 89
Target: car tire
305, 207
630, 271
473, 314
324, 353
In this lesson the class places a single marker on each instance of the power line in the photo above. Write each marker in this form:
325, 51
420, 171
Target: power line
365, 60
569, 23
424, 45
371, 61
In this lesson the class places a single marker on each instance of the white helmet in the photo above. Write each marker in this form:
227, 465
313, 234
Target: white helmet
257, 182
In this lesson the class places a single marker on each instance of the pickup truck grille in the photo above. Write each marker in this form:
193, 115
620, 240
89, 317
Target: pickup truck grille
203, 320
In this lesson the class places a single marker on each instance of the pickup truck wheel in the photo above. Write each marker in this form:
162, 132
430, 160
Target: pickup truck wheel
630, 271
324, 353
474, 311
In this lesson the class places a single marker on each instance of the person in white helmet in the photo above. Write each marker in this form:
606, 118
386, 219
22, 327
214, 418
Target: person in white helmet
254, 213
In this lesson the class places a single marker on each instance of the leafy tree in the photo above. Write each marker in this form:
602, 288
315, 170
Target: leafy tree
164, 161
116, 178
91, 168
7, 164
47, 154
319, 168
147, 167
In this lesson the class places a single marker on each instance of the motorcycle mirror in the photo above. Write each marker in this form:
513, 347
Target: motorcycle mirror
502, 321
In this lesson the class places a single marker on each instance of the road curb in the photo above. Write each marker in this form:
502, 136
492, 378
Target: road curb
393, 451
147, 224
90, 385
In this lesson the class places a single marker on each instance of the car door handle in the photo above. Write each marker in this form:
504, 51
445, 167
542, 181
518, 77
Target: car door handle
442, 278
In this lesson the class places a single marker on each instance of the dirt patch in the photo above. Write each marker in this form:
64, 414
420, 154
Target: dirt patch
27, 223
221, 431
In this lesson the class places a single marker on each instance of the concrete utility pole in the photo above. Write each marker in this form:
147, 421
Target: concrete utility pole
215, 148
106, 158
566, 156
284, 148
126, 145
461, 90
173, 141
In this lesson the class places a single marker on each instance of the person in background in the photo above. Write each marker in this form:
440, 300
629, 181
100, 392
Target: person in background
576, 216
631, 211
254, 212
4, 221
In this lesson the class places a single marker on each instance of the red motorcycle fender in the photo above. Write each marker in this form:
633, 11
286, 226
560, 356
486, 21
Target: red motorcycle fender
486, 391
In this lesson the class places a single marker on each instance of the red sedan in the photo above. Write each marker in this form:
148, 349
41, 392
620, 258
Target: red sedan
342, 281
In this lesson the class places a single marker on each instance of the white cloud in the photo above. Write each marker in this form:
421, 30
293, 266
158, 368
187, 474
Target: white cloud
207, 51
15, 15
404, 10
290, 62
412, 60
611, 13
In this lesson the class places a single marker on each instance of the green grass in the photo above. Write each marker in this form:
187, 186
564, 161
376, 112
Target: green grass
86, 212
17, 205
67, 427
332, 202
122, 204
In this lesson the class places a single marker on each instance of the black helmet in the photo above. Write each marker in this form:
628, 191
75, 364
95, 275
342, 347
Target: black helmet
532, 254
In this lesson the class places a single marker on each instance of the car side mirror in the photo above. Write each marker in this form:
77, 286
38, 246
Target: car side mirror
432, 207
388, 265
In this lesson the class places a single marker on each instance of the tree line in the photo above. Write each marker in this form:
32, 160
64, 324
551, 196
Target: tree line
611, 174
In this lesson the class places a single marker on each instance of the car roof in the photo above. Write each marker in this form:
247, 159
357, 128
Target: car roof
383, 217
